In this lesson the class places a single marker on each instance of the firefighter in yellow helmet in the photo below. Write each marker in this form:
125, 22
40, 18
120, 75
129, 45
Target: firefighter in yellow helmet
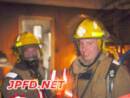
27, 47
29, 66
95, 74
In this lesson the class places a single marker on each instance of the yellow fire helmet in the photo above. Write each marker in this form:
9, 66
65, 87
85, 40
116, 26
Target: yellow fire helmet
89, 28
26, 39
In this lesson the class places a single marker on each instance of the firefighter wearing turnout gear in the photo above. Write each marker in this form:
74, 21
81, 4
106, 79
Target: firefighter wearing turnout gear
28, 67
95, 74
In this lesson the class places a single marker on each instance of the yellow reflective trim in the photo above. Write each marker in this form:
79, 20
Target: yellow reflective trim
18, 44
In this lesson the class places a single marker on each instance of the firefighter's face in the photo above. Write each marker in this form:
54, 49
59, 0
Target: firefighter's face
31, 52
88, 49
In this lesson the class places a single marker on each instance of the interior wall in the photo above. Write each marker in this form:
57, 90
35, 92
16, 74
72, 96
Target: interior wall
9, 17
64, 49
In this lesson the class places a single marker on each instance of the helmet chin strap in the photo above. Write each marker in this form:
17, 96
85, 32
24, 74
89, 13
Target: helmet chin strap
88, 65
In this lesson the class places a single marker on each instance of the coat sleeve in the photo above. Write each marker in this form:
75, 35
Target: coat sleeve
121, 83
18, 92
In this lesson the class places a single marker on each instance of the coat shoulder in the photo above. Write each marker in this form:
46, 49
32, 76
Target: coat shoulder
122, 82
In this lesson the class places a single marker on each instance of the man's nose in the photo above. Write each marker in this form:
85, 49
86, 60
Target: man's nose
85, 47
